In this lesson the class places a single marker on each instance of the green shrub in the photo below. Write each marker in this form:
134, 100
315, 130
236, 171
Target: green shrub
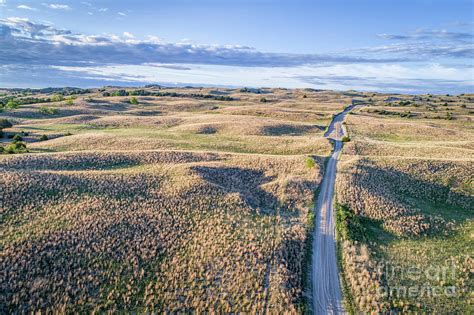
17, 137
263, 100
310, 162
4, 123
348, 224
120, 93
57, 98
12, 104
70, 100
43, 138
133, 100
15, 148
45, 110
346, 139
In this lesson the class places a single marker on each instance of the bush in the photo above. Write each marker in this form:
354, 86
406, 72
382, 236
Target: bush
15, 148
133, 100
17, 137
57, 98
310, 162
120, 93
4, 123
43, 138
140, 92
346, 139
12, 104
263, 100
45, 110
348, 225
70, 100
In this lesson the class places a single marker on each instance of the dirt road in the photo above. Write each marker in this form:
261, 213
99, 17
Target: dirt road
327, 297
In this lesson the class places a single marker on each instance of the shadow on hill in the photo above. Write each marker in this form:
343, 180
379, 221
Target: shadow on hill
290, 130
245, 182
145, 112
61, 113
414, 197
110, 106
84, 161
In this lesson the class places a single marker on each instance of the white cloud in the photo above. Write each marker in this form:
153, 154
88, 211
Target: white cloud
25, 7
423, 50
103, 9
128, 35
45, 43
430, 34
121, 14
46, 50
433, 78
154, 39
57, 6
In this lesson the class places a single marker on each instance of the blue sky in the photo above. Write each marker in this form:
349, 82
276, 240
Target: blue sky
394, 46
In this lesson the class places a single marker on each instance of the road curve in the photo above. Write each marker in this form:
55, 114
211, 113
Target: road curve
327, 296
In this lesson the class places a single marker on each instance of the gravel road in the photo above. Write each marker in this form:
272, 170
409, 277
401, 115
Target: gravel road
327, 296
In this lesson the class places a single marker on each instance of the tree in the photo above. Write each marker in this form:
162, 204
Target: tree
43, 138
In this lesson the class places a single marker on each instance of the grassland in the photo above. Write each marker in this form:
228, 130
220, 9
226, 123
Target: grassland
286, 123
191, 200
405, 182
199, 200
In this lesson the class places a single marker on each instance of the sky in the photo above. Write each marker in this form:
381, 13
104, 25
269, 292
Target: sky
401, 46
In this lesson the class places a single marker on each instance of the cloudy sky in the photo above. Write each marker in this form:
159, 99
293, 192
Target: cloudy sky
379, 45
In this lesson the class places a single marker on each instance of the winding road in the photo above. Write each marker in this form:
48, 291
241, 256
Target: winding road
327, 296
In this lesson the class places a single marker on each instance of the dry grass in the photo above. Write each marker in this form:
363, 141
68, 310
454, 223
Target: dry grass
409, 183
169, 231
286, 124
110, 217
186, 203
378, 189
